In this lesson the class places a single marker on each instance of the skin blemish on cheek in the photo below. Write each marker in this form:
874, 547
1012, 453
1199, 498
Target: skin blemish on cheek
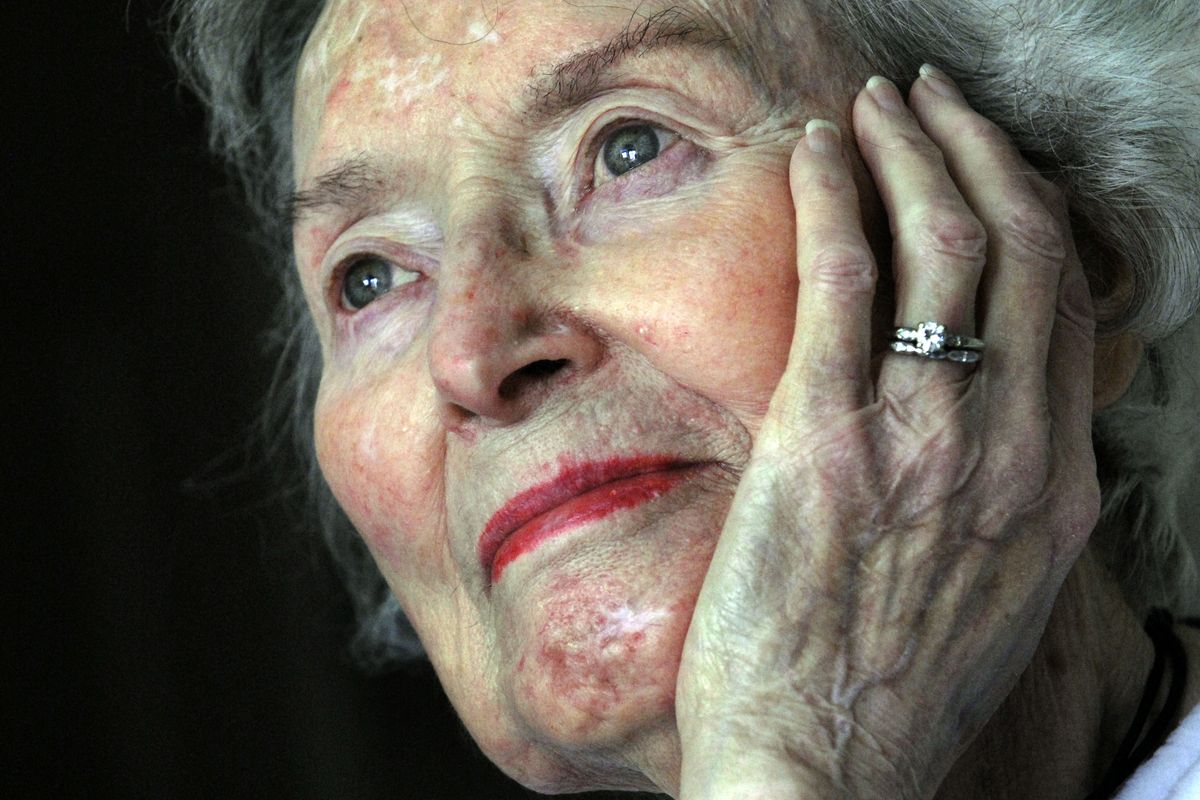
366, 448
596, 662
590, 653
565, 248
625, 624
647, 333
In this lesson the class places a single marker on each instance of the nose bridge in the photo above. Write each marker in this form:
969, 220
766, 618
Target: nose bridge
482, 253
487, 324
485, 212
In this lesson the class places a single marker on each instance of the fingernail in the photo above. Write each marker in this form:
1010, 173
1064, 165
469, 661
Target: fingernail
940, 82
885, 93
823, 136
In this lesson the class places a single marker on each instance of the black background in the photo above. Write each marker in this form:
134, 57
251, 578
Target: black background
171, 633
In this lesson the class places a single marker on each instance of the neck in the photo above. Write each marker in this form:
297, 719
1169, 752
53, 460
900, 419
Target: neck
1059, 730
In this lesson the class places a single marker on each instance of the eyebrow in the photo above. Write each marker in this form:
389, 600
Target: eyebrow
582, 75
352, 183
359, 182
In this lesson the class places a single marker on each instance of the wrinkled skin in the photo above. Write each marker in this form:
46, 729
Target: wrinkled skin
892, 533
950, 500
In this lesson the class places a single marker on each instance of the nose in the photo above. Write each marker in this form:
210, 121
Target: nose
498, 348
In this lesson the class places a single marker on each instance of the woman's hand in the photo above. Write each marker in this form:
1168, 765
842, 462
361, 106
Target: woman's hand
897, 541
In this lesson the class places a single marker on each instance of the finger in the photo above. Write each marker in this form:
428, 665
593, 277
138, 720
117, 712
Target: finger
1026, 251
939, 245
1070, 377
830, 358
1072, 341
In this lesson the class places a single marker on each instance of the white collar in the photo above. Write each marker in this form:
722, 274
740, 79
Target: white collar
1173, 772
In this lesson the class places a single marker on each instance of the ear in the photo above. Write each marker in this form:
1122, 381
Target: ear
1116, 362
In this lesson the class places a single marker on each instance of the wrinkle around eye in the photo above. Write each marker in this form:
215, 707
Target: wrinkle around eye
409, 239
677, 166
630, 210
411, 246
564, 157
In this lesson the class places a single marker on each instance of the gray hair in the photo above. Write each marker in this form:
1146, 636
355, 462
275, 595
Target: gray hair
1102, 96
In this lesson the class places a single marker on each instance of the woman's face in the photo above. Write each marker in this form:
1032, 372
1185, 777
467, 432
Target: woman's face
549, 249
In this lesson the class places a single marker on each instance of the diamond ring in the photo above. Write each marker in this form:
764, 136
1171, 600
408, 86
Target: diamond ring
930, 340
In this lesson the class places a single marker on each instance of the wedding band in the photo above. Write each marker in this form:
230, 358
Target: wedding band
930, 340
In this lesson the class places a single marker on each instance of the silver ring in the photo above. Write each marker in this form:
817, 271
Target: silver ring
930, 340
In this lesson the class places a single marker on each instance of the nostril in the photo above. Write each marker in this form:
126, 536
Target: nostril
533, 372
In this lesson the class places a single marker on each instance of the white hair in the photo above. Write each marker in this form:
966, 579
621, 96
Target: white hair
1102, 96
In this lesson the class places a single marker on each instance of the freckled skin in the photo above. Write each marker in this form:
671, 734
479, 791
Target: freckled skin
671, 309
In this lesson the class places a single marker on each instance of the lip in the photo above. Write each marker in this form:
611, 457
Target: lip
578, 494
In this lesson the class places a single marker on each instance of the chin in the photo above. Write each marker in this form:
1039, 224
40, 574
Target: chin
595, 665
586, 634
588, 675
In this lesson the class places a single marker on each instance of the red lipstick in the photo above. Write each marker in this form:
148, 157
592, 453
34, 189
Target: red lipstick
577, 495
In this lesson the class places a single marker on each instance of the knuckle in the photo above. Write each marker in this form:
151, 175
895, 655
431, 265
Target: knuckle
955, 233
983, 130
842, 268
1034, 230
1075, 307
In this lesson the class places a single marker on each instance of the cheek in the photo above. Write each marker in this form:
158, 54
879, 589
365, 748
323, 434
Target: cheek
715, 310
751, 293
384, 479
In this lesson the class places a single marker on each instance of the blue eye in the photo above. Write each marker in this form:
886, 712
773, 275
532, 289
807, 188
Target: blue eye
366, 280
629, 147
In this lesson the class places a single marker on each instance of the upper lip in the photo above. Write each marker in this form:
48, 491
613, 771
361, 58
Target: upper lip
571, 481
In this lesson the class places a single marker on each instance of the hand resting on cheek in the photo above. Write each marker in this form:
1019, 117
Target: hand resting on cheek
897, 542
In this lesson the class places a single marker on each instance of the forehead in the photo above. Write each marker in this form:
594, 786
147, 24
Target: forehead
378, 64
368, 28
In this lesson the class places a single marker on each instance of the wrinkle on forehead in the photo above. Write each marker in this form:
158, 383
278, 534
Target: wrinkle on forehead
342, 23
363, 54
355, 51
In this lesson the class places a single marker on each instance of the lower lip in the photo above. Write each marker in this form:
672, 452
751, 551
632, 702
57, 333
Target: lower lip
587, 507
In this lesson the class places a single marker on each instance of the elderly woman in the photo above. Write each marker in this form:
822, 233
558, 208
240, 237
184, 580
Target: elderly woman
726, 423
